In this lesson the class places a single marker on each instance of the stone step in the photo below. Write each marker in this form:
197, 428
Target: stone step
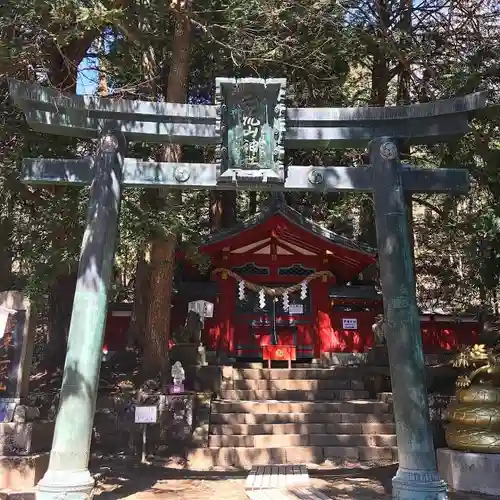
352, 373
300, 418
357, 406
327, 395
298, 385
286, 440
298, 428
259, 365
245, 458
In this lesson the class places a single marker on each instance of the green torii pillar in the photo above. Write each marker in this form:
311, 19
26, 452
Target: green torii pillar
251, 127
68, 475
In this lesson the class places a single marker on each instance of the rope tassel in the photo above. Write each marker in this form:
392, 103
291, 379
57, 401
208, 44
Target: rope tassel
273, 292
241, 290
286, 304
262, 299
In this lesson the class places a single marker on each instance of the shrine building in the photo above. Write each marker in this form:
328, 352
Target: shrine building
310, 266
281, 279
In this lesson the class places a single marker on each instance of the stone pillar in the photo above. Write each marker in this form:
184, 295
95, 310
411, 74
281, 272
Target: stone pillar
417, 477
68, 475
14, 379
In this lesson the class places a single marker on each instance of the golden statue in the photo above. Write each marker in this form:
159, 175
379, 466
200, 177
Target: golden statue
474, 418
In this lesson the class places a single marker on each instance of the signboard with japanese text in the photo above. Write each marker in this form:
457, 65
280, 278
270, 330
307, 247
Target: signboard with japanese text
146, 414
296, 309
349, 323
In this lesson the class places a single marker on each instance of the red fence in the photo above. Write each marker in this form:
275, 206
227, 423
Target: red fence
338, 332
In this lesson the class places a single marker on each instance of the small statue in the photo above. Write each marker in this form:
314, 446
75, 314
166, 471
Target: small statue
23, 414
378, 329
178, 374
194, 326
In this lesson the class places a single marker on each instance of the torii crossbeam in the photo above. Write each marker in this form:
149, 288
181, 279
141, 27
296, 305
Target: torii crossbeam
251, 128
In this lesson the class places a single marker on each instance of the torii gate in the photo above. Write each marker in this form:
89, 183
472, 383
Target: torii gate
251, 127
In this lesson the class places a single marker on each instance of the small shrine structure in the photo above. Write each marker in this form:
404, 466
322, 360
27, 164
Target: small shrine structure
275, 273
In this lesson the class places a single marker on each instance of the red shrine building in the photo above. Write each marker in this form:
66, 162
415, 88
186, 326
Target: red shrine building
281, 279
279, 249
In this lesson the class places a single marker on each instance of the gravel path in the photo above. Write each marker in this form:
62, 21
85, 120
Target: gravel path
348, 482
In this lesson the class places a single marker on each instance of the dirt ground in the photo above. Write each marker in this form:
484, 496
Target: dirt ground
344, 482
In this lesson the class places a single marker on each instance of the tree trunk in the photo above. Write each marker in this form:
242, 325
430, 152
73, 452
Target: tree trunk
252, 205
155, 351
222, 209
228, 209
61, 295
6, 228
378, 96
65, 61
215, 211
140, 305
403, 97
63, 75
155, 356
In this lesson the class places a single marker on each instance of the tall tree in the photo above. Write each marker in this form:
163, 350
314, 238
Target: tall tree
163, 246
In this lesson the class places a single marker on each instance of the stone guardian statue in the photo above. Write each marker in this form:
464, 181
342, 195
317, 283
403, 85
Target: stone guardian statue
379, 330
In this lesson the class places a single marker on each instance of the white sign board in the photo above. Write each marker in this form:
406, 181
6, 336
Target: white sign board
296, 309
349, 323
145, 414
202, 307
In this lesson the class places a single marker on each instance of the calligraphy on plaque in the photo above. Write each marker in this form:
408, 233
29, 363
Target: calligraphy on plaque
252, 127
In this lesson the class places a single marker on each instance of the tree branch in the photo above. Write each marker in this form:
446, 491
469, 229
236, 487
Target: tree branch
426, 204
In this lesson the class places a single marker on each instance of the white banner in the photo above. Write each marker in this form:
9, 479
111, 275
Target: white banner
202, 307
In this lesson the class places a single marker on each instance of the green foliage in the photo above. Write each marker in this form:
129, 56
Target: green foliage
328, 52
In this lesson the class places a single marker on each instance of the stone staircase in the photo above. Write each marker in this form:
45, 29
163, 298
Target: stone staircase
298, 415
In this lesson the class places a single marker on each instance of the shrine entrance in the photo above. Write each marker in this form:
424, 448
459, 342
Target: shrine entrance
272, 325
250, 126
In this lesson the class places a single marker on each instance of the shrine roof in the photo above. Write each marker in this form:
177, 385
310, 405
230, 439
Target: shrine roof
295, 218
359, 292
290, 229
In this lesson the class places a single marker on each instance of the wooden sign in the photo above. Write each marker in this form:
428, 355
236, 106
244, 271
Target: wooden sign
146, 414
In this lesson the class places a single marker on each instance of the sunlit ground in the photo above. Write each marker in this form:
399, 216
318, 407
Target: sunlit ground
344, 483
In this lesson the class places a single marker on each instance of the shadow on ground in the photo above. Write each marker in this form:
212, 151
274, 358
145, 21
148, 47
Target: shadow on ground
141, 481
131, 481
144, 482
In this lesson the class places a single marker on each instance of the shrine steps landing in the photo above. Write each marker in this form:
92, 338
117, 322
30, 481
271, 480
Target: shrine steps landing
298, 415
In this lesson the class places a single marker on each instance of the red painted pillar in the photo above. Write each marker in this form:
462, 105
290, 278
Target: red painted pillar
226, 305
323, 324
